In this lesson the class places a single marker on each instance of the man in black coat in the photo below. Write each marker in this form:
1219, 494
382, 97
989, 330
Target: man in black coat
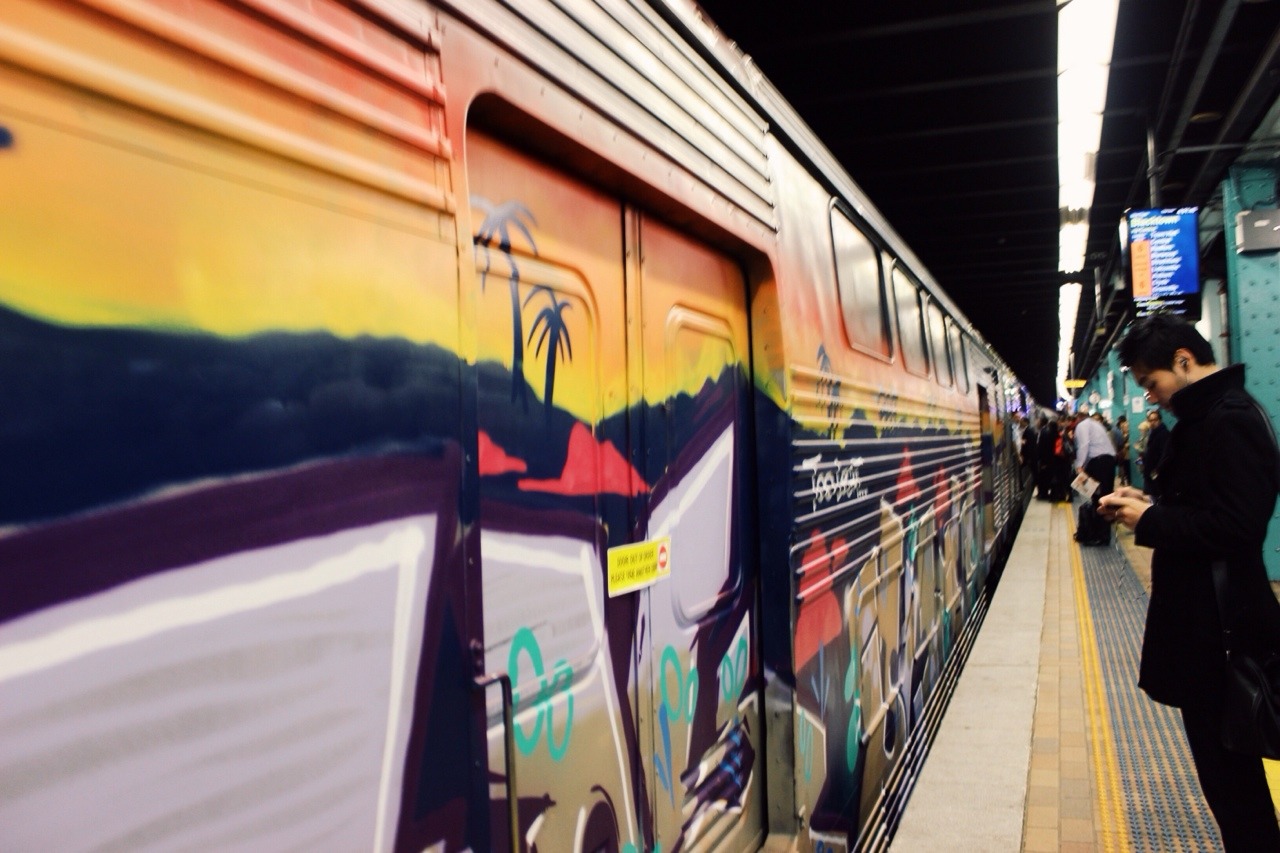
1218, 483
1157, 441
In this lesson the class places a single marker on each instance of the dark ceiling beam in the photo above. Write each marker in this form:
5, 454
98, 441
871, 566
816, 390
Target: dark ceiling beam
1036, 274
1002, 298
965, 231
1033, 254
1027, 269
992, 276
976, 216
1000, 255
951, 235
1135, 63
1024, 270
965, 166
949, 130
1030, 290
1015, 267
937, 198
993, 240
1255, 97
1212, 50
1113, 151
933, 87
1179, 54
936, 23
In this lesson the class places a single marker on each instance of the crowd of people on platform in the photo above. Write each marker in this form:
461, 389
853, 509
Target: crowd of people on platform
1051, 453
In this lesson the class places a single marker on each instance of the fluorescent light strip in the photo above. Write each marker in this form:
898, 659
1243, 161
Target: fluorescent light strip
1086, 36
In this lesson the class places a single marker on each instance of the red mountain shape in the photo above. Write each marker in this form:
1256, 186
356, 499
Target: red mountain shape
942, 493
819, 621
495, 460
591, 467
907, 487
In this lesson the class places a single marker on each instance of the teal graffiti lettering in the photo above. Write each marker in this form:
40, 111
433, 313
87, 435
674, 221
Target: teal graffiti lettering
853, 736
805, 741
686, 693
686, 687
548, 692
733, 672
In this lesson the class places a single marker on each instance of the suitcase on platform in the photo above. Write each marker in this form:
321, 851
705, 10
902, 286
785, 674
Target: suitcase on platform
1091, 528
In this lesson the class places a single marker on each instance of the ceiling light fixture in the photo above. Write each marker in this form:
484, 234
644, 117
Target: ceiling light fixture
1086, 32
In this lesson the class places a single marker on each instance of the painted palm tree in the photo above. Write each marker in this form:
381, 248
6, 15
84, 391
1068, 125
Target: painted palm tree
555, 334
496, 227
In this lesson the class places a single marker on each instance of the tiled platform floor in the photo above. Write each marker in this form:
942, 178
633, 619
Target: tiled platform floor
1061, 792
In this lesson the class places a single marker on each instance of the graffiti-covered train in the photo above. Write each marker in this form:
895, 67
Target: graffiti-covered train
496, 425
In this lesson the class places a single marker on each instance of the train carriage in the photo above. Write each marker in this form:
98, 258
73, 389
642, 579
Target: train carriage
484, 426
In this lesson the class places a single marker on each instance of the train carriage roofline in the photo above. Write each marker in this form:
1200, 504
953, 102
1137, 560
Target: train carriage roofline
609, 186
794, 134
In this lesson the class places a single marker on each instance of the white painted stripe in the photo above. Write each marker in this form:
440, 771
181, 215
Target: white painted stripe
707, 468
407, 597
105, 632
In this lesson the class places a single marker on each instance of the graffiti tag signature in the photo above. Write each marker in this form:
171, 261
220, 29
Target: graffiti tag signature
834, 481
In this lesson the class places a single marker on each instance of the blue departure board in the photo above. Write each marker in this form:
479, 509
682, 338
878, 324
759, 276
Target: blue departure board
1164, 260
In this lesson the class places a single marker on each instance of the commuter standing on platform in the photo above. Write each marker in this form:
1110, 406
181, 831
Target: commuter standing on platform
1123, 473
1218, 484
1153, 451
1027, 450
1096, 457
1064, 453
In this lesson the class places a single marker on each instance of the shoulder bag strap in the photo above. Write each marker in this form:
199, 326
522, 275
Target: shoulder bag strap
1220, 590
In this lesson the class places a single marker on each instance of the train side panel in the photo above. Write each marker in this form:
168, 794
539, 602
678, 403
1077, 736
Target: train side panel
884, 436
231, 586
462, 426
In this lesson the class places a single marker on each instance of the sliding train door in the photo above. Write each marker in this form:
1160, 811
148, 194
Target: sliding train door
548, 316
704, 696
611, 421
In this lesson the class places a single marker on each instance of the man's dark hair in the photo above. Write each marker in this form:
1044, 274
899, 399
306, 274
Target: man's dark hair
1152, 341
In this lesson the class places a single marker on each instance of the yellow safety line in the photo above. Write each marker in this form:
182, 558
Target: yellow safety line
1115, 827
1272, 769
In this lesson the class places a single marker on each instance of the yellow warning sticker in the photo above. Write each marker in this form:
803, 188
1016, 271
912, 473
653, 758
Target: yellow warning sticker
636, 566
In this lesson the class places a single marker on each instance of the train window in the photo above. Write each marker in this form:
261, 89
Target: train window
866, 320
938, 344
906, 296
957, 356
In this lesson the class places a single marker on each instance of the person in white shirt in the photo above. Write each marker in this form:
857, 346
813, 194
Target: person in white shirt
1095, 457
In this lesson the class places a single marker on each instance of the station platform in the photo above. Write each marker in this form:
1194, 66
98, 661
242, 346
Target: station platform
1048, 744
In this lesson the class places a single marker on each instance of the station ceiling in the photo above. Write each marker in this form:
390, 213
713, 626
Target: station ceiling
945, 114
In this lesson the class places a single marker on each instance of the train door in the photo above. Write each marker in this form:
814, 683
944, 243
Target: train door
988, 457
611, 413
703, 701
555, 486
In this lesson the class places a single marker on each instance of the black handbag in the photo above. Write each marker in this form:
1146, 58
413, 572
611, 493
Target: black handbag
1251, 694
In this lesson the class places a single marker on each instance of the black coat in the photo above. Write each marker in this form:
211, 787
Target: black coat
1219, 479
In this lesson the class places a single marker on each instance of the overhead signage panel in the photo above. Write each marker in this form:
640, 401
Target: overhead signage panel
1164, 260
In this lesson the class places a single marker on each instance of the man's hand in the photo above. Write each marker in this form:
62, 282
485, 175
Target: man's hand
1125, 505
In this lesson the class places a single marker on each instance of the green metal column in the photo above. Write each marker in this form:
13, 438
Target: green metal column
1253, 301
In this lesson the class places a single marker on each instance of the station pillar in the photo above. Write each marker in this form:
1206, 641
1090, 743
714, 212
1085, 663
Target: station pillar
1253, 303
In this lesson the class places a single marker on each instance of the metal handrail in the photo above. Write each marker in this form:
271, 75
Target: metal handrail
484, 682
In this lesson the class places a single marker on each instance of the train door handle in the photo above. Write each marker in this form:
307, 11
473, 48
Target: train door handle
484, 682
